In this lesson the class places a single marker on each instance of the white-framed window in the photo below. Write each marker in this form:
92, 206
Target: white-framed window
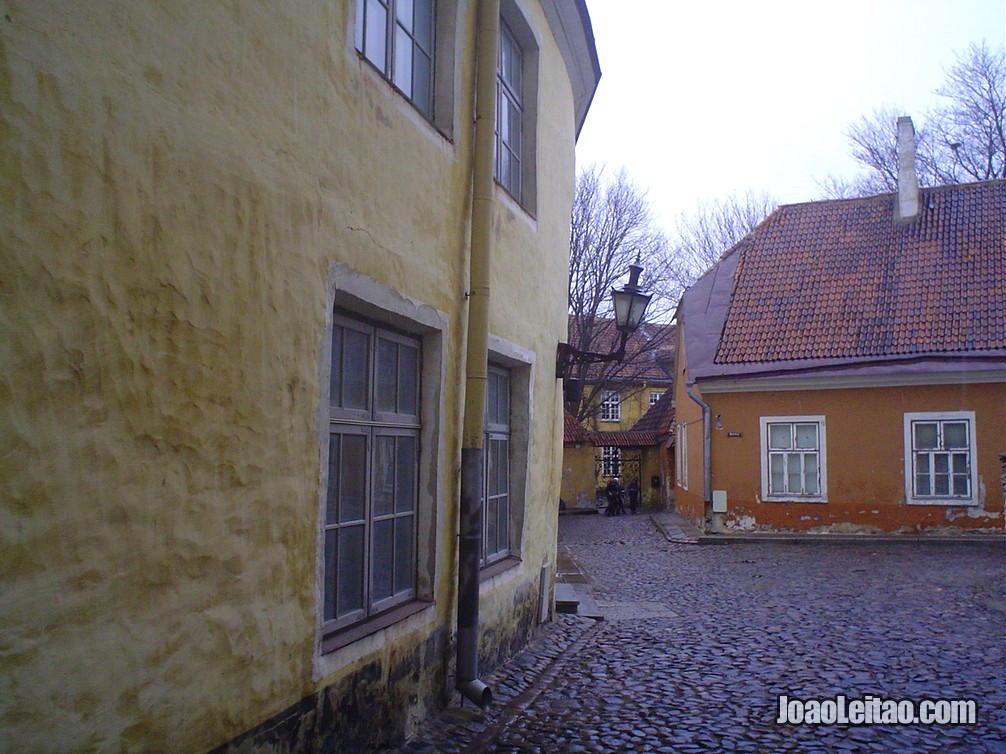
611, 406
517, 106
373, 472
397, 37
496, 495
654, 398
611, 461
681, 456
793, 459
941, 458
509, 112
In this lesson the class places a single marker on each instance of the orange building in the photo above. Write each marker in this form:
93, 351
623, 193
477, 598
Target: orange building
843, 369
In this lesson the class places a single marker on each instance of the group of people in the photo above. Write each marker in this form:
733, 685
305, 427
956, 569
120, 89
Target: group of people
614, 494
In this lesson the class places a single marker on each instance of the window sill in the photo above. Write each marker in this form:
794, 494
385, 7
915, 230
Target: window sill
945, 502
354, 633
500, 566
813, 500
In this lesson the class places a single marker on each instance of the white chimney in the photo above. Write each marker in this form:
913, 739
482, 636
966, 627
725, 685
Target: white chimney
908, 181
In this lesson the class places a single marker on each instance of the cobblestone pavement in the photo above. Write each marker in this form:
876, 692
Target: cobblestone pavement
698, 642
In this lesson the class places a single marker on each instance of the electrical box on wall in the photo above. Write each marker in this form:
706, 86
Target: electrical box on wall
719, 501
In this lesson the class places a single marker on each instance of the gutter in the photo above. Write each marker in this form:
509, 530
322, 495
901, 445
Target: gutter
707, 472
476, 358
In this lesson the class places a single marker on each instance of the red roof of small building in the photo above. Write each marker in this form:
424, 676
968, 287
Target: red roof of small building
659, 418
844, 289
572, 432
844, 280
630, 439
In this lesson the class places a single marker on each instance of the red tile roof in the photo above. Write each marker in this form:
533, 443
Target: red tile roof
842, 280
624, 439
572, 432
659, 418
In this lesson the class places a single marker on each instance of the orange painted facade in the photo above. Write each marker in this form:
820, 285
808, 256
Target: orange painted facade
864, 460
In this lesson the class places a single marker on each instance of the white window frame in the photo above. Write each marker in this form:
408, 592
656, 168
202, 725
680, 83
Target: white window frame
374, 425
654, 398
681, 456
523, 187
822, 461
497, 433
940, 417
611, 406
611, 460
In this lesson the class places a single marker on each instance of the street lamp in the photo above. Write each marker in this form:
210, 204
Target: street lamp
630, 305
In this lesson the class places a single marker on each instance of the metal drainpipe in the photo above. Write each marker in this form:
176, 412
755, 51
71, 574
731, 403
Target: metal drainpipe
476, 364
707, 475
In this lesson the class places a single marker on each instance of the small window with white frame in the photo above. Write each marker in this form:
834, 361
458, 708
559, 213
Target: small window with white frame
940, 458
654, 397
793, 459
611, 461
496, 495
611, 406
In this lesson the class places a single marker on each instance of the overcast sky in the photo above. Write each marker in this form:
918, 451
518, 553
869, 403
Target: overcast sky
701, 99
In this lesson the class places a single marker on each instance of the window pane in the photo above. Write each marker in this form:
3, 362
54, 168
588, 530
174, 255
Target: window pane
352, 472
354, 369
335, 381
405, 493
776, 474
922, 463
424, 24
383, 559
806, 436
925, 435
334, 446
360, 11
513, 127
387, 375
922, 484
384, 475
376, 34
941, 484
404, 558
779, 436
960, 463
408, 380
331, 558
350, 576
514, 185
403, 10
490, 546
403, 60
810, 475
421, 82
955, 435
793, 473
960, 485
941, 463
503, 528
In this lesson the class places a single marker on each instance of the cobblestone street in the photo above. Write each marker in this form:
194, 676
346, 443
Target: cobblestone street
697, 642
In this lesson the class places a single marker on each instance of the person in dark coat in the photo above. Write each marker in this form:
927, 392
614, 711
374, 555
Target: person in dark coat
633, 490
614, 494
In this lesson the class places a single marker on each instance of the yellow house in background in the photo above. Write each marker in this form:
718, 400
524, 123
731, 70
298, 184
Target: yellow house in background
616, 399
235, 323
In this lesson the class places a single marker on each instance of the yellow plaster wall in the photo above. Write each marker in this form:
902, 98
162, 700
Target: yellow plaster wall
177, 179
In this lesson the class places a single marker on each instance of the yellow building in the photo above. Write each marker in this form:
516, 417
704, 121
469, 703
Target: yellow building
615, 398
234, 316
